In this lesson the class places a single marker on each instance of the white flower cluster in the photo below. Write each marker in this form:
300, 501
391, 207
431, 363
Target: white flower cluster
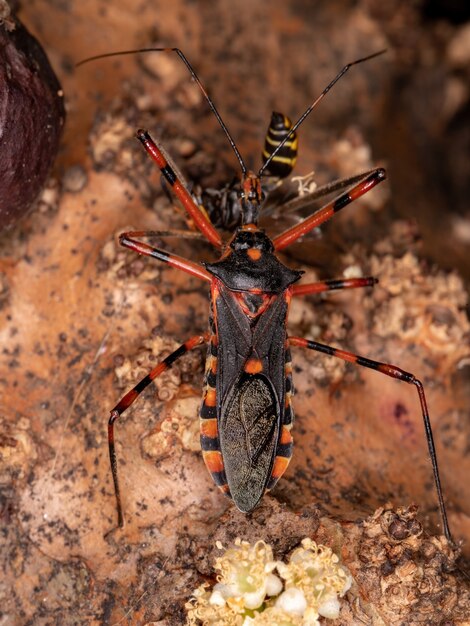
250, 593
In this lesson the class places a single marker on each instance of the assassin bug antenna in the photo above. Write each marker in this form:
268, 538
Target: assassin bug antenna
195, 78
313, 105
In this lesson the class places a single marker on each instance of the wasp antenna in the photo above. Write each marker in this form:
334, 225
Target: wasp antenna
195, 78
314, 104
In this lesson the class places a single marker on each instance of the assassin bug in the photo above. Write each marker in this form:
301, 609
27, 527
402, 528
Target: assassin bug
246, 413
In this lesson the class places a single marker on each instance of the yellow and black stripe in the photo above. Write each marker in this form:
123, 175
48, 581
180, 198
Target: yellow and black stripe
283, 163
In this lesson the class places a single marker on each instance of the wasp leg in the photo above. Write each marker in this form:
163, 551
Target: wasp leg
330, 285
399, 374
130, 240
132, 395
199, 217
322, 215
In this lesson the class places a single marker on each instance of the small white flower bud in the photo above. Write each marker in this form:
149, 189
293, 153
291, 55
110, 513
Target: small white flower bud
217, 599
273, 585
329, 608
254, 599
226, 591
347, 584
292, 601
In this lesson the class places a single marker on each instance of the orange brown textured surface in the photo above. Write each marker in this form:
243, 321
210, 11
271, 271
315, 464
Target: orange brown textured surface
82, 320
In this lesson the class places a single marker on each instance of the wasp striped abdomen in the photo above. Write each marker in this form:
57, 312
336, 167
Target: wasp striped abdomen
284, 161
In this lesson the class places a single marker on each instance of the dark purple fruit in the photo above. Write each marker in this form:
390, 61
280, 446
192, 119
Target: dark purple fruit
32, 115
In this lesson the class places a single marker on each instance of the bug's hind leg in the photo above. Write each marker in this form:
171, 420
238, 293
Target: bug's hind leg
130, 398
399, 374
177, 233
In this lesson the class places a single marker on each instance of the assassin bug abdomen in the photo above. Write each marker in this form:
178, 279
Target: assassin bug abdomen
246, 412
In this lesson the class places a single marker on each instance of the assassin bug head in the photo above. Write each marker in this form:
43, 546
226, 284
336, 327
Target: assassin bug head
251, 196
252, 239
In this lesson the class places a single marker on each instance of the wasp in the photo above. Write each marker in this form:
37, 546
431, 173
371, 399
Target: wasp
280, 160
223, 206
281, 202
246, 415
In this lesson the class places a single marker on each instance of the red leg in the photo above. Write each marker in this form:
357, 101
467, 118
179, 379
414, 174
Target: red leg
303, 201
329, 285
292, 234
132, 395
200, 218
399, 374
128, 241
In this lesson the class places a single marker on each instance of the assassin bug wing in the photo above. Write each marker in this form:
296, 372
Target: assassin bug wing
249, 434
251, 394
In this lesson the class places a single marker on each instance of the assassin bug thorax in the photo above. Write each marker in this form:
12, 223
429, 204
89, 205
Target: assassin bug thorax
246, 413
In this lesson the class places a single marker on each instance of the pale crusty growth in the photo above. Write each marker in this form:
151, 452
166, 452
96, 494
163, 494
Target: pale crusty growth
406, 576
425, 309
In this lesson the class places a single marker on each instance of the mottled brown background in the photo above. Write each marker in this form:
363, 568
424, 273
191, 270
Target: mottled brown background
74, 307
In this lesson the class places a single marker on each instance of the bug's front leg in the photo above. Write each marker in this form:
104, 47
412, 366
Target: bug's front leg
130, 398
200, 219
399, 374
288, 237
333, 285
